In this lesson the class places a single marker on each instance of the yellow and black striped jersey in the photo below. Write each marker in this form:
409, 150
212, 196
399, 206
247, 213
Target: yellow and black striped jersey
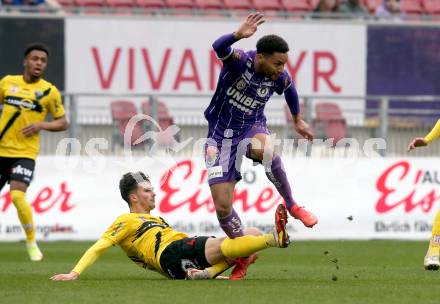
143, 237
23, 104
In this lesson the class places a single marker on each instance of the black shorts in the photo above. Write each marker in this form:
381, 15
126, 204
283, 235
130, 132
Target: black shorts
17, 169
183, 254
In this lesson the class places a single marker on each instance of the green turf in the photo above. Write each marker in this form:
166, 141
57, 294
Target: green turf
369, 272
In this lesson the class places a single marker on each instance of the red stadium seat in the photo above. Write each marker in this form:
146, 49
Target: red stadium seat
372, 5
329, 122
67, 3
121, 3
297, 5
151, 4
238, 5
211, 7
411, 6
164, 120
267, 5
313, 4
210, 4
431, 7
87, 3
122, 112
328, 111
180, 4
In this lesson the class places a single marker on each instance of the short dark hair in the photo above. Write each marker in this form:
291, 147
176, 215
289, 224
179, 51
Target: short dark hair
270, 44
129, 183
36, 46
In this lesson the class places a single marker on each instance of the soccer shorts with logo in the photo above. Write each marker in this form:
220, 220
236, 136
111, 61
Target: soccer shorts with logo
223, 155
17, 169
183, 254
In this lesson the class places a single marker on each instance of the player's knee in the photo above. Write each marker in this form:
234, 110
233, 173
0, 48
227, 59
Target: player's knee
223, 206
261, 154
223, 210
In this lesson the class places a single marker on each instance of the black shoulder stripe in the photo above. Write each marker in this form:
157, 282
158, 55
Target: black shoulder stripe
47, 92
158, 241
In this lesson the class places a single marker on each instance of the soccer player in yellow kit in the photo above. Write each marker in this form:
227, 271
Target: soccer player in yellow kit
431, 261
26, 100
152, 244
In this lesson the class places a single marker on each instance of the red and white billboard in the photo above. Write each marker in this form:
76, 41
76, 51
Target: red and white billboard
353, 199
176, 57
139, 56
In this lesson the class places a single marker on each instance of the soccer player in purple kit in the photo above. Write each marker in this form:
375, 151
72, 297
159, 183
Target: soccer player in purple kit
237, 124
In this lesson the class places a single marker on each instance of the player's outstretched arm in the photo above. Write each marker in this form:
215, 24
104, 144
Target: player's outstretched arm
417, 142
421, 142
249, 26
222, 46
89, 257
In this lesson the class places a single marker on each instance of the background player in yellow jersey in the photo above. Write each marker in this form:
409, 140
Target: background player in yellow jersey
26, 100
432, 261
152, 244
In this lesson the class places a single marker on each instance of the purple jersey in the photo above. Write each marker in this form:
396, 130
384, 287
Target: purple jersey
241, 94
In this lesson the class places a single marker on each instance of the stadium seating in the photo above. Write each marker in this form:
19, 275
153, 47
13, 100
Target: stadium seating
372, 5
91, 3
163, 119
297, 5
313, 4
431, 7
279, 8
67, 3
411, 6
284, 8
180, 4
121, 3
151, 4
329, 122
242, 5
122, 112
270, 8
211, 8
210, 4
266, 5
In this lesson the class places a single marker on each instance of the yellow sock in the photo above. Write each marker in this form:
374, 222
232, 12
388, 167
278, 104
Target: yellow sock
217, 269
244, 246
434, 244
24, 211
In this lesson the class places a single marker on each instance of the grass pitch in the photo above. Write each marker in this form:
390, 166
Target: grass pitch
307, 272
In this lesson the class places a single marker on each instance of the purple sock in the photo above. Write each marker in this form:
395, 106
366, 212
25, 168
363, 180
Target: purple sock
231, 225
277, 175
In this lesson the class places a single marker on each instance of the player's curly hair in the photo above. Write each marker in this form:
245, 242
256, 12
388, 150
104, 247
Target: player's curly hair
129, 182
270, 44
36, 46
